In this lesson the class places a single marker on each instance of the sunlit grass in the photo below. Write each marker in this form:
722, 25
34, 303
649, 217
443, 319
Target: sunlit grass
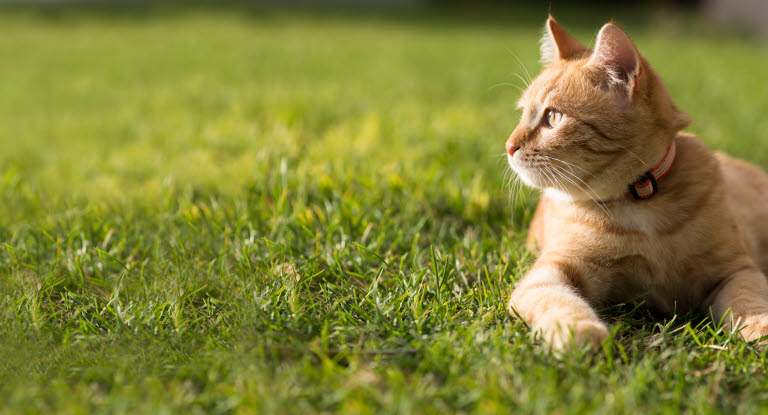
258, 212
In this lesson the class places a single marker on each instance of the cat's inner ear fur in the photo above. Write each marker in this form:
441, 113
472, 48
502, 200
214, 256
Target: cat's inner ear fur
558, 44
617, 57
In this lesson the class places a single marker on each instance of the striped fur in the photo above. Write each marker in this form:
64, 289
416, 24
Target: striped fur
701, 241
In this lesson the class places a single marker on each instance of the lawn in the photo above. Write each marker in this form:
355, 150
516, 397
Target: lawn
251, 211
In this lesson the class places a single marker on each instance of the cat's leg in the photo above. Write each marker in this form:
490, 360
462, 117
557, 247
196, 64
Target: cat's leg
550, 299
742, 298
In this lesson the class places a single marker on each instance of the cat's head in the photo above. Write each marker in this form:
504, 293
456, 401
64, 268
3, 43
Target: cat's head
594, 120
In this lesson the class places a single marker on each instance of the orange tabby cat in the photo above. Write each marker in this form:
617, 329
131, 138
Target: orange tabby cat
631, 206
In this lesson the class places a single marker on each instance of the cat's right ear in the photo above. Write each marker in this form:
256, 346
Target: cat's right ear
557, 43
616, 56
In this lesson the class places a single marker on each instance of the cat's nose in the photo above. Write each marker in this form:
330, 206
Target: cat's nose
511, 148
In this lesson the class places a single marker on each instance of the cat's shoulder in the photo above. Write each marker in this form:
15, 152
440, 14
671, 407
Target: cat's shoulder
693, 153
690, 143
693, 150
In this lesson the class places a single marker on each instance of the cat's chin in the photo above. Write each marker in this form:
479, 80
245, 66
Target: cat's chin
531, 177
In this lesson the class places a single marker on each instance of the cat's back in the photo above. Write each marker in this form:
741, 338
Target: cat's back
747, 197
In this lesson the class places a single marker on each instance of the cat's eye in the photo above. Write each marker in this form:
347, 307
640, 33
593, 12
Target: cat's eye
553, 118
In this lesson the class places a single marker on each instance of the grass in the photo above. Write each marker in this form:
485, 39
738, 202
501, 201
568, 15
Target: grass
229, 211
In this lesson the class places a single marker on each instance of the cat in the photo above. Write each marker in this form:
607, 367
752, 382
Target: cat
631, 206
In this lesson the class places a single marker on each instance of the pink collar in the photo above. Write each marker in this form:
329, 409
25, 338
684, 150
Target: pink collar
647, 185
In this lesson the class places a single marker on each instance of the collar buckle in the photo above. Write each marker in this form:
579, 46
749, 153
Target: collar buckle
648, 176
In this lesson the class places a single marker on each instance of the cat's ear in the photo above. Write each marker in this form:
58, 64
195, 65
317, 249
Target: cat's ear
617, 57
557, 43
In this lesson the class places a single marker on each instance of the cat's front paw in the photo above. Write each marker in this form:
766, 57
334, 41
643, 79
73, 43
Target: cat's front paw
582, 333
755, 327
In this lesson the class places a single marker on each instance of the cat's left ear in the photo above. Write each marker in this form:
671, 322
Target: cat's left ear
557, 43
616, 55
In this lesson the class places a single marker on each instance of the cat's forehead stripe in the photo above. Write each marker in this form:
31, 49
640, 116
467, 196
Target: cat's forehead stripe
551, 83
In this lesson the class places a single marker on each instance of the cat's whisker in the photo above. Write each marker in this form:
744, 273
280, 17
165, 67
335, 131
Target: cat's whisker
569, 164
510, 189
516, 192
630, 152
520, 62
577, 177
562, 171
516, 188
509, 184
562, 188
508, 175
544, 168
506, 84
527, 85
592, 196
560, 174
